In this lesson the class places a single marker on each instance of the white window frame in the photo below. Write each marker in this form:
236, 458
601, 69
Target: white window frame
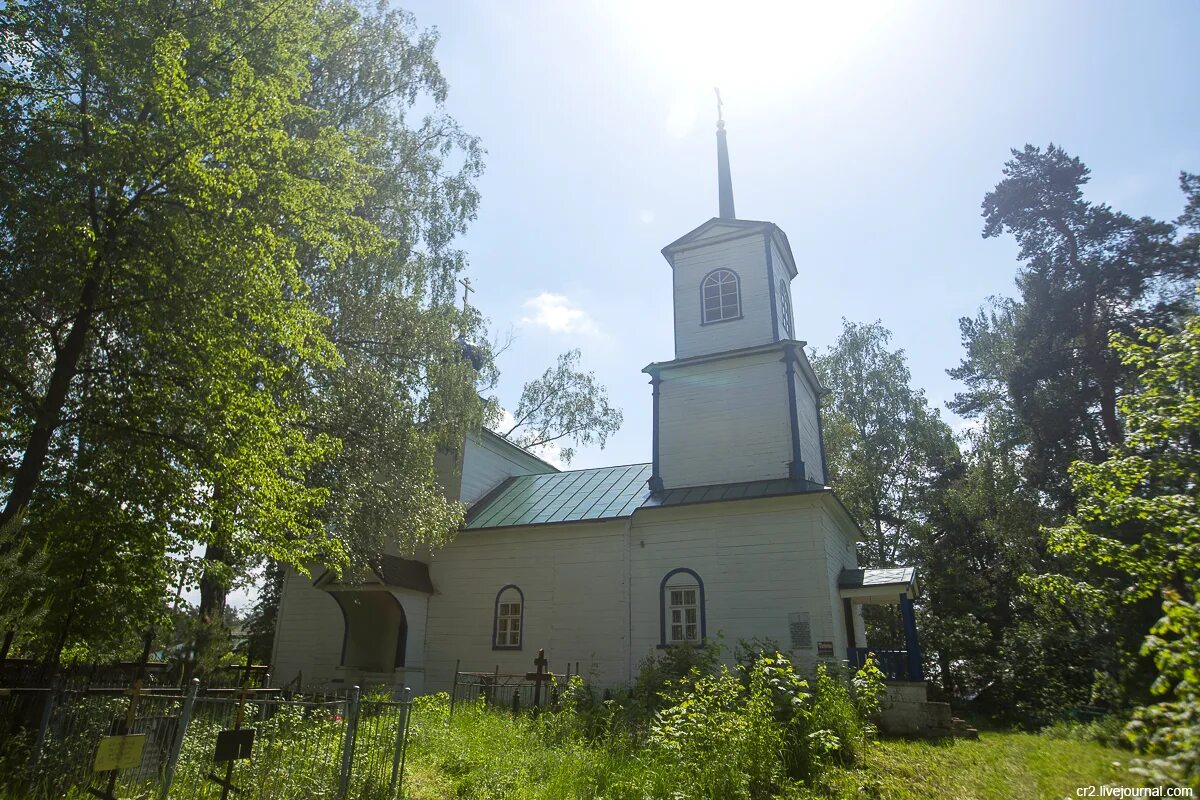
727, 293
785, 308
683, 614
508, 625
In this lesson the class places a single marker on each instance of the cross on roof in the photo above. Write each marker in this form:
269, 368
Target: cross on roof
467, 289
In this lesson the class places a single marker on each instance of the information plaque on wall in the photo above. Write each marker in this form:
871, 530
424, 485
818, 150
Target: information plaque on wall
800, 629
824, 649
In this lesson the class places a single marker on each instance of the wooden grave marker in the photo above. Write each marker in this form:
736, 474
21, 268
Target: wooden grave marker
234, 744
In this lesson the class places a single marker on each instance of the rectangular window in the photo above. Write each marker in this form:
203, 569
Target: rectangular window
508, 625
683, 613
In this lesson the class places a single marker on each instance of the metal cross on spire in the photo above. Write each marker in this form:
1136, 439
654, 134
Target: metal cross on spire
724, 179
467, 289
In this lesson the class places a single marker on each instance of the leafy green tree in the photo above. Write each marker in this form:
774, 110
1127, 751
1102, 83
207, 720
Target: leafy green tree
564, 404
1168, 732
883, 443
260, 623
981, 533
1087, 271
225, 274
402, 388
884, 450
1136, 529
20, 582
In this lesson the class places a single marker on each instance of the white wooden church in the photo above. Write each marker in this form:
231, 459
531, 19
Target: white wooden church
729, 531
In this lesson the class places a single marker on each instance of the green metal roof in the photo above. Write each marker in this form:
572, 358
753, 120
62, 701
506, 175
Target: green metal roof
585, 494
747, 490
605, 493
863, 578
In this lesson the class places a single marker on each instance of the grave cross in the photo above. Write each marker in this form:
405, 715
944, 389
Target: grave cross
123, 749
234, 744
539, 677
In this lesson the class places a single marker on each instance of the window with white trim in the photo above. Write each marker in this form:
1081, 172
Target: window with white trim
720, 297
785, 309
509, 619
683, 614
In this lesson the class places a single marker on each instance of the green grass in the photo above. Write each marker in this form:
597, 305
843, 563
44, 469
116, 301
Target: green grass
998, 766
483, 755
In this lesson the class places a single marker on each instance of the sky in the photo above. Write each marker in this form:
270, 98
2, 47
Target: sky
869, 132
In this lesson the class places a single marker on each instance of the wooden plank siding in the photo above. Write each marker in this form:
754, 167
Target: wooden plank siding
747, 257
592, 589
810, 435
571, 576
308, 633
724, 421
488, 460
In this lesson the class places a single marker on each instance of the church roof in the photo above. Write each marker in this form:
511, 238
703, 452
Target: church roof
388, 571
867, 578
748, 490
605, 493
583, 494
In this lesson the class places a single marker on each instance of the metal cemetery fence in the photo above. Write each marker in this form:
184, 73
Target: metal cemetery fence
515, 691
249, 743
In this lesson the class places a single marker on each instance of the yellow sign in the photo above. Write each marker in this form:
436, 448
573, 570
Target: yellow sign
119, 752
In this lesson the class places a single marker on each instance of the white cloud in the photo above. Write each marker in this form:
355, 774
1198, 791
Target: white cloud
646, 217
557, 314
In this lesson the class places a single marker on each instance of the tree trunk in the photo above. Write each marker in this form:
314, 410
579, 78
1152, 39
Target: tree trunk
49, 411
213, 588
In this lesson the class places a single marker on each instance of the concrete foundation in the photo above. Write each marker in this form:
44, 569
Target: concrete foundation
906, 711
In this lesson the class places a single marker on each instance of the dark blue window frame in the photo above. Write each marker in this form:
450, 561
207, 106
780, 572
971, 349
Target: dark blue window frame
496, 619
662, 607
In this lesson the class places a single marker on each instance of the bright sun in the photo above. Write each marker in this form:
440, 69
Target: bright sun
756, 51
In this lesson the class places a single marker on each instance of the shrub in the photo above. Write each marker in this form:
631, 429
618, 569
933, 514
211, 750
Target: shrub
1106, 730
1169, 732
658, 672
743, 735
868, 688
837, 730
719, 735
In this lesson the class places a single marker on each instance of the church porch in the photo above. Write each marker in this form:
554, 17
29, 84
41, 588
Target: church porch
905, 709
890, 587
383, 615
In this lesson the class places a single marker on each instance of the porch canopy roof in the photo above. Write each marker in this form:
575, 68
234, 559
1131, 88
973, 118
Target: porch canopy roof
389, 572
878, 586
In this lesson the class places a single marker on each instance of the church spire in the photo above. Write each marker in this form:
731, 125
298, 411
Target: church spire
724, 179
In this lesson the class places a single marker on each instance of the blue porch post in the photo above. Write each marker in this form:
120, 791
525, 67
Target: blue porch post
910, 637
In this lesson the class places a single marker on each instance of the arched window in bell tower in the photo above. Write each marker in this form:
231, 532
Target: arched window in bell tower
720, 297
785, 309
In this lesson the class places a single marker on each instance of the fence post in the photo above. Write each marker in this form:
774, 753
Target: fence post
185, 718
52, 698
401, 745
348, 742
454, 690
